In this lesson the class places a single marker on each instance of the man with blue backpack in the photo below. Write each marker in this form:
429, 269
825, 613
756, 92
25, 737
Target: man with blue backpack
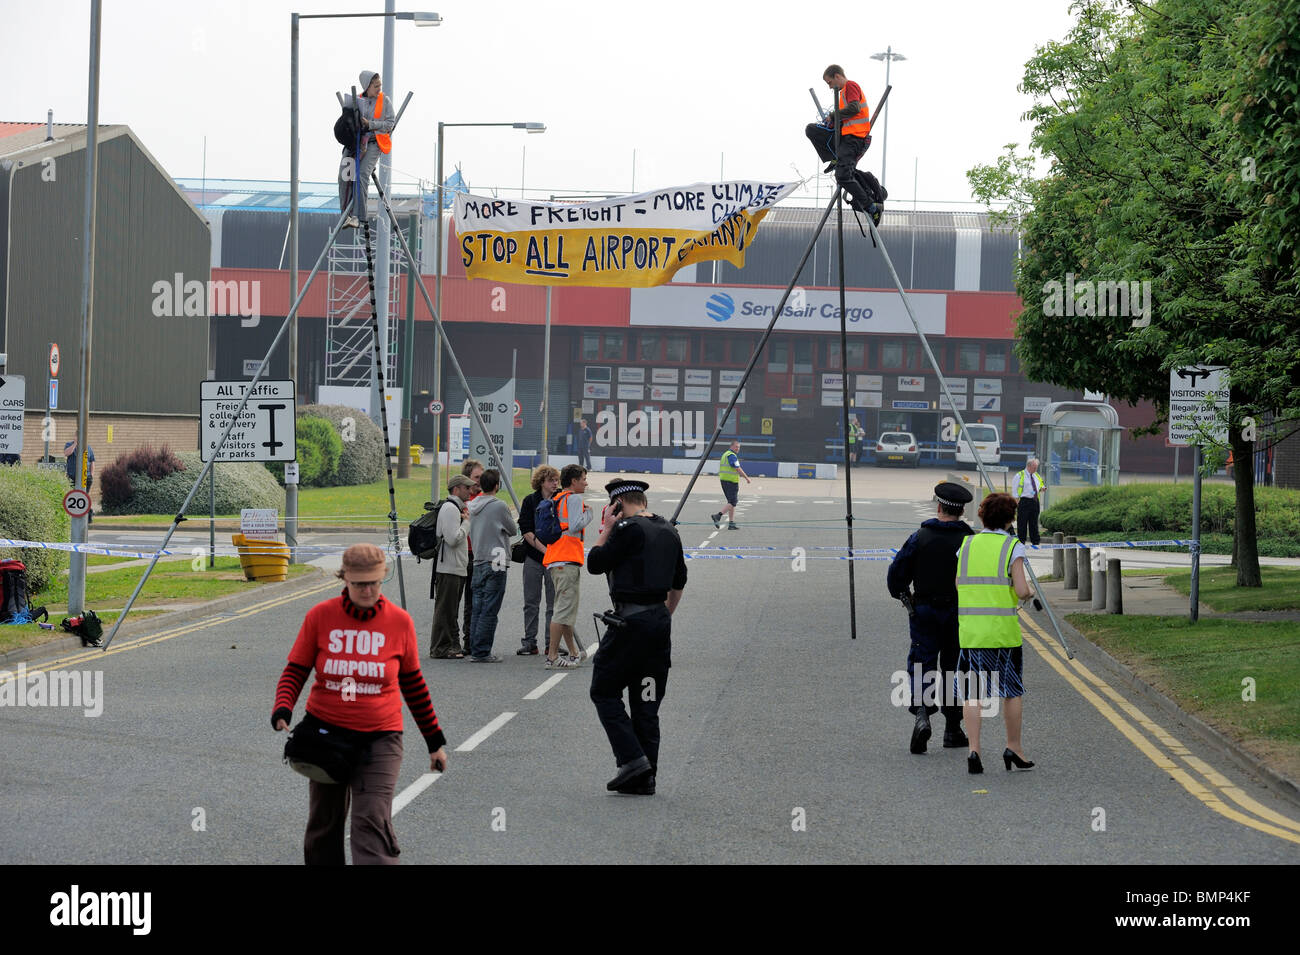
559, 525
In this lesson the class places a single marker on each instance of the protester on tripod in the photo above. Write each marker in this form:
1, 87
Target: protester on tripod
641, 556
853, 114
374, 110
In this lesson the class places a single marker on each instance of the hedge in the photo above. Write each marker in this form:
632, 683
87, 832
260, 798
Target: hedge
319, 451
1165, 510
363, 447
31, 508
239, 485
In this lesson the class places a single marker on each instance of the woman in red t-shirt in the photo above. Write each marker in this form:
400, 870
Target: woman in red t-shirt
364, 652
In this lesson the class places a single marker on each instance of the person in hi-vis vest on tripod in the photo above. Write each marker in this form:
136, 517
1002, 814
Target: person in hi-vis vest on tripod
376, 123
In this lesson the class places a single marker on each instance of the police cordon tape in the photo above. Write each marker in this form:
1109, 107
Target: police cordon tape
859, 553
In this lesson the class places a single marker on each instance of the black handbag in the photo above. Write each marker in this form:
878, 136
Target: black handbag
519, 551
323, 752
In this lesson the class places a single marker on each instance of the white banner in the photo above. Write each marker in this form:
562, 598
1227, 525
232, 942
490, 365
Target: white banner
911, 383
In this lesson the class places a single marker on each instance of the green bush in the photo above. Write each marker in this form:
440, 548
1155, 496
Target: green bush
363, 442
1165, 510
239, 485
31, 508
319, 450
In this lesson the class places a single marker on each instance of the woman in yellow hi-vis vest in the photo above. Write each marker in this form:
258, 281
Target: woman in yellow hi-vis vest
376, 123
990, 578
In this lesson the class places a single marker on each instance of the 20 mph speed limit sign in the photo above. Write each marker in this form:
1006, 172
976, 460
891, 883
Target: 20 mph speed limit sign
77, 503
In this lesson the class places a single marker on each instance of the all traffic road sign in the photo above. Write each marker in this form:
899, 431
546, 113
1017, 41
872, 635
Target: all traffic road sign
435, 407
1198, 405
265, 430
54, 359
13, 400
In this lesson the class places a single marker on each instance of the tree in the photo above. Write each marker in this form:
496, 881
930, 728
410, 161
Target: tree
1143, 194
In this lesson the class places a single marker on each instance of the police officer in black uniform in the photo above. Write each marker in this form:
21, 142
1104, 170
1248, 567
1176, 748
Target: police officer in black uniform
641, 555
928, 564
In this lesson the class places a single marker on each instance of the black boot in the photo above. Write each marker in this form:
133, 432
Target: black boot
953, 736
921, 731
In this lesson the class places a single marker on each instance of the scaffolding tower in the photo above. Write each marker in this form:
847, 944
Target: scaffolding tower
349, 360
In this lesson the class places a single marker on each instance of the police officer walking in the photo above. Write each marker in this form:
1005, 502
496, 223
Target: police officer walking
928, 564
641, 556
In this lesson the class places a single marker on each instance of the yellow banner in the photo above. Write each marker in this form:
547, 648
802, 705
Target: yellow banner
632, 242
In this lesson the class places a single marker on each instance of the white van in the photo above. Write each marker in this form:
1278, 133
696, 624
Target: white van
987, 442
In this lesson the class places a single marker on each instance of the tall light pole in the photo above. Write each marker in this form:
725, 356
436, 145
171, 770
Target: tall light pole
434, 488
419, 19
77, 565
888, 56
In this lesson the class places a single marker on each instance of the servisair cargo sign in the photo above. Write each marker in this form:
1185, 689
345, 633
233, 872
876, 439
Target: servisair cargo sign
813, 310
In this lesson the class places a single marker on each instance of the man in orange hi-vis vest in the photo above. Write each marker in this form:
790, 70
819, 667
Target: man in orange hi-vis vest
376, 123
854, 114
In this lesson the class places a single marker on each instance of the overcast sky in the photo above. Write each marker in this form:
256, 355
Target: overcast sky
693, 89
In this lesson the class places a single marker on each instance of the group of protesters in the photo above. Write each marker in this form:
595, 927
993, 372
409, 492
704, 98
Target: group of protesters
476, 532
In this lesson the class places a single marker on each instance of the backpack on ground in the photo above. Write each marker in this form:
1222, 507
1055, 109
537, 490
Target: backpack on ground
14, 600
546, 522
87, 626
422, 538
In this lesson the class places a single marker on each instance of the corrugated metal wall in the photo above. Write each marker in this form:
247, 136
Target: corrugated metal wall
145, 232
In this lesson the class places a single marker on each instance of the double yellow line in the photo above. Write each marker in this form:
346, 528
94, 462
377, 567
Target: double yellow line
1202, 780
90, 654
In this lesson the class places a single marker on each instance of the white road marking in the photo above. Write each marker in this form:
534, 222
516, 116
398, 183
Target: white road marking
401, 800
537, 693
484, 733
789, 502
823, 502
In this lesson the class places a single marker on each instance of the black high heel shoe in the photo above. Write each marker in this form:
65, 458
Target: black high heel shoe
1009, 757
973, 764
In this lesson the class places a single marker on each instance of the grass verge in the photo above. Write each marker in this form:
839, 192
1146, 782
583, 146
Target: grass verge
1219, 590
171, 583
359, 504
1204, 668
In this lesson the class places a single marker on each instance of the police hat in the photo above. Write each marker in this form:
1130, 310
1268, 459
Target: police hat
952, 494
623, 485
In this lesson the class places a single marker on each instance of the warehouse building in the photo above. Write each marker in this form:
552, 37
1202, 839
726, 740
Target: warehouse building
151, 289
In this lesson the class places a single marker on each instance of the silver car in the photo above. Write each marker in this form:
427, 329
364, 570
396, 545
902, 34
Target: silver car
897, 447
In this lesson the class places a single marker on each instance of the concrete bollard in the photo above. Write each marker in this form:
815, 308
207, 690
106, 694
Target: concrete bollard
1098, 590
1071, 566
1058, 556
1114, 587
1085, 575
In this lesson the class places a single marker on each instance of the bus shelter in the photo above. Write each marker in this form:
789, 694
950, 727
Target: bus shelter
1078, 444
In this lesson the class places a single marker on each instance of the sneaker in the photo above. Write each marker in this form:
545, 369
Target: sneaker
490, 658
876, 211
351, 222
526, 652
733, 526
561, 663
716, 518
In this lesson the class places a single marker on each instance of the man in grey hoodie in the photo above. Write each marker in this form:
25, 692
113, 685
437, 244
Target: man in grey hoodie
449, 571
374, 140
491, 529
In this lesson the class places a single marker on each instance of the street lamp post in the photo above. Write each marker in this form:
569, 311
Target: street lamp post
421, 19
437, 297
888, 56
